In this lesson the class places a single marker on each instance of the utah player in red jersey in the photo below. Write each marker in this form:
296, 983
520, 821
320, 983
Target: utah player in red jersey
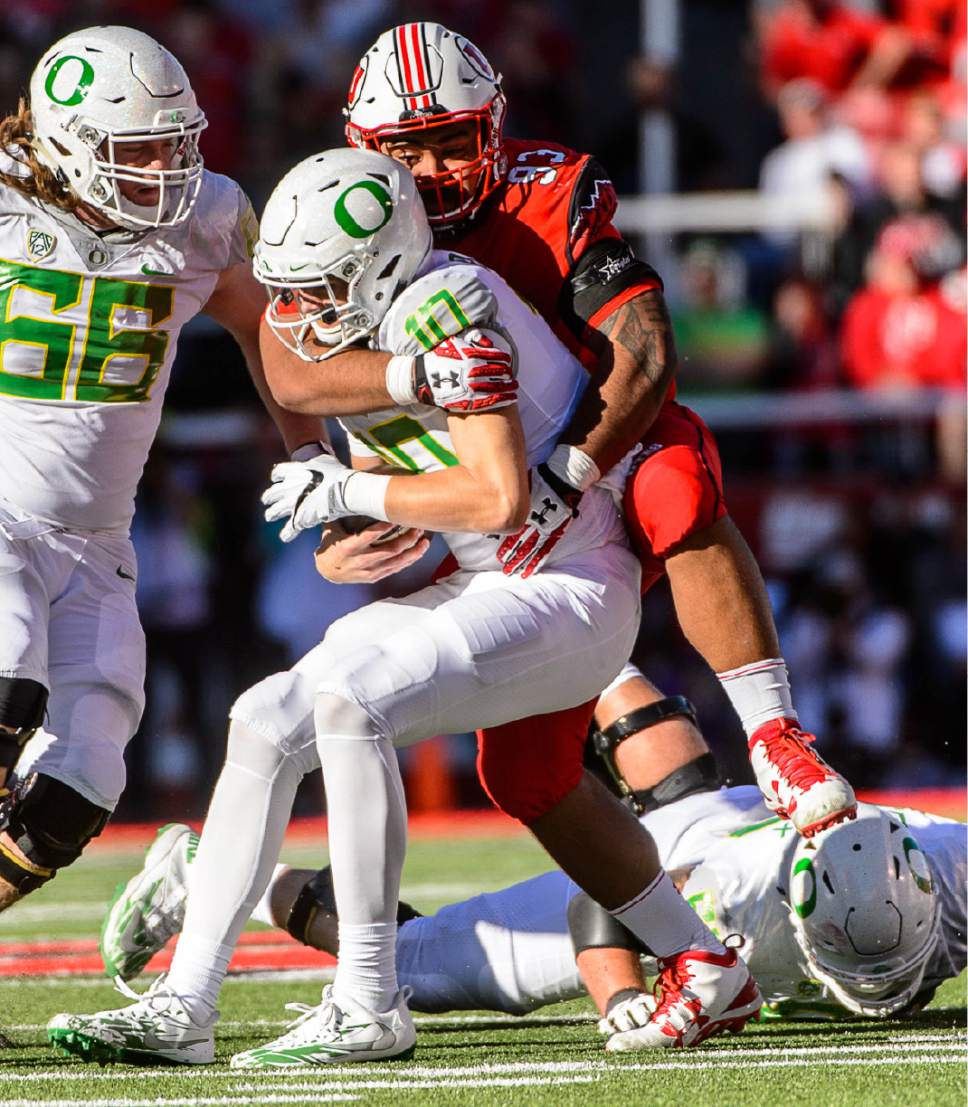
541, 215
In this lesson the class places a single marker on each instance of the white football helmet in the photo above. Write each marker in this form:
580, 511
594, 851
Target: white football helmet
104, 86
419, 76
865, 911
343, 232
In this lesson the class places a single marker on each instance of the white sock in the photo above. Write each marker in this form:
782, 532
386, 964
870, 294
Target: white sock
661, 918
759, 692
239, 846
262, 912
367, 815
367, 960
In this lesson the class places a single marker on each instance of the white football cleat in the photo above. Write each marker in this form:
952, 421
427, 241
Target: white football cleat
795, 781
336, 1033
150, 908
701, 995
155, 1029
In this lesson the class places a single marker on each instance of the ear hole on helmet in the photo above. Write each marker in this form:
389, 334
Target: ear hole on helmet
856, 847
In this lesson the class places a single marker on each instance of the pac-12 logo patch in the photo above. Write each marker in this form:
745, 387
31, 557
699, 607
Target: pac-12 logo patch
39, 244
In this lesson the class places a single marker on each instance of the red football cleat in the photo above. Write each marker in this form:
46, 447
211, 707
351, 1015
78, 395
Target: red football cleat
701, 994
796, 781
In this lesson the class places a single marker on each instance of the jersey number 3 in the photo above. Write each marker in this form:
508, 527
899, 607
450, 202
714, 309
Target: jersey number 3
64, 336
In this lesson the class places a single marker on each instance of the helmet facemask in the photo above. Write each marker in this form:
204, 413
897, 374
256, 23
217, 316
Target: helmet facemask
454, 195
177, 187
341, 317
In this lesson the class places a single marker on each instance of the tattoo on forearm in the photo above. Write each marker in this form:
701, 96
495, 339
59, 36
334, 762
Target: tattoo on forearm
644, 329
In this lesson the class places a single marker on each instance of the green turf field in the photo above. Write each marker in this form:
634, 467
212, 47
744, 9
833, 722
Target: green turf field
554, 1058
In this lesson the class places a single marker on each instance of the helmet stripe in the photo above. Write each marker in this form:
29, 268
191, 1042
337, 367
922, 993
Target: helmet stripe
422, 62
403, 64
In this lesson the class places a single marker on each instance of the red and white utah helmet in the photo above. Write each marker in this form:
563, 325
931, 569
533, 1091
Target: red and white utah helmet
419, 76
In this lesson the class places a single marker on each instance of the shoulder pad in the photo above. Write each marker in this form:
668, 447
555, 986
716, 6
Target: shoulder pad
439, 305
219, 225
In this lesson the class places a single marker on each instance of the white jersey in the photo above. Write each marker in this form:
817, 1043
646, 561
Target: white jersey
88, 329
511, 950
450, 294
743, 852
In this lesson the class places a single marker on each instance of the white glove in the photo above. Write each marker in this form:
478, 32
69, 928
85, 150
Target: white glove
474, 371
307, 493
630, 1014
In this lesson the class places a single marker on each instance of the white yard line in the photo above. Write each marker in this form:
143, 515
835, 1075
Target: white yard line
943, 1052
334, 1091
207, 1101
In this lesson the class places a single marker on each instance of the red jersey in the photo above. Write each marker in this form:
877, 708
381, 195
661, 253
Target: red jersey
551, 208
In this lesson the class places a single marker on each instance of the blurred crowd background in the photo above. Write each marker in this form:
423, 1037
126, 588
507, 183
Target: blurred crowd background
829, 357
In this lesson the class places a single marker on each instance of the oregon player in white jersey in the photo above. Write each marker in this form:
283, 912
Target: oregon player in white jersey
735, 863
112, 236
342, 237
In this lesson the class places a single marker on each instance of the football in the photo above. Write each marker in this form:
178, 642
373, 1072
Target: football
353, 524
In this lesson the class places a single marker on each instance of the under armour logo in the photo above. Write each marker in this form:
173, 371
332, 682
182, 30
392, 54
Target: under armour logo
548, 507
451, 378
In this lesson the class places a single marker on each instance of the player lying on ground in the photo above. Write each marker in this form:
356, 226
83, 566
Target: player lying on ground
541, 216
346, 248
113, 237
866, 920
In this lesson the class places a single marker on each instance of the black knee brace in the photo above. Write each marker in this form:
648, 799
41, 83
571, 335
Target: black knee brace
698, 775
592, 927
50, 824
317, 894
22, 706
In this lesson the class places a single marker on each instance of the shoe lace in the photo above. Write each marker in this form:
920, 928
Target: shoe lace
156, 999
667, 989
789, 751
310, 1019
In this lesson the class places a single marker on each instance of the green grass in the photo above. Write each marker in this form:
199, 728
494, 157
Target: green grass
474, 1060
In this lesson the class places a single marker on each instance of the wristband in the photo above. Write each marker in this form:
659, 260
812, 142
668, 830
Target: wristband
400, 380
574, 466
365, 494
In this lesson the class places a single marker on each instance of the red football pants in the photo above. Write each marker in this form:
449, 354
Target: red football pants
527, 767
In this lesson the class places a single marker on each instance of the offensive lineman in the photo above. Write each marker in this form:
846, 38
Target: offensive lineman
540, 215
112, 236
343, 237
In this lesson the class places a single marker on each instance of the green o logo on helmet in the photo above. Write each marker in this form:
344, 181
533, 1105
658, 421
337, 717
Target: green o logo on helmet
80, 85
350, 222
804, 907
918, 865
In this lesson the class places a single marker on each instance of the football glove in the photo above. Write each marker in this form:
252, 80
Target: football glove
475, 371
307, 493
554, 503
628, 1014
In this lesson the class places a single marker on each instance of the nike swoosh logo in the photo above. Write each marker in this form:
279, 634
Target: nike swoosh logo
149, 272
121, 573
